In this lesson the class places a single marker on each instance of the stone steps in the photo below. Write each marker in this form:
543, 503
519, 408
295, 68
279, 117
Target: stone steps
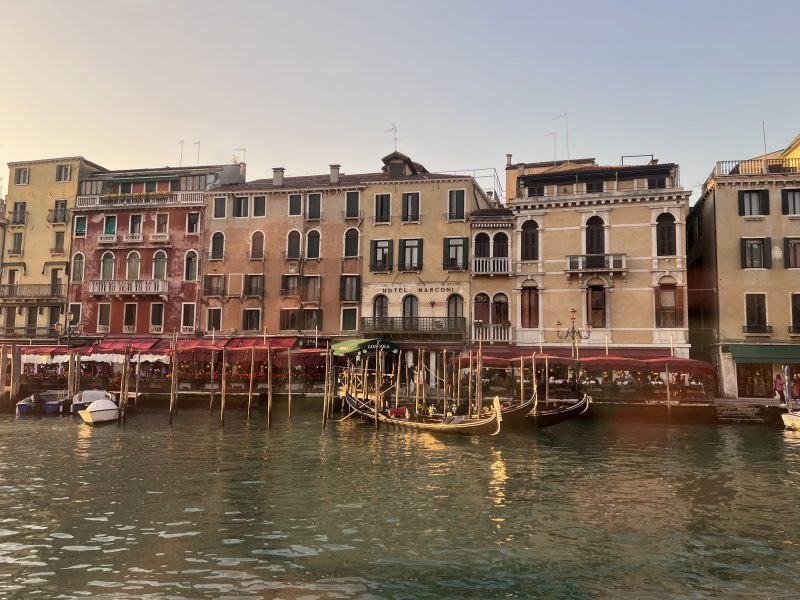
741, 414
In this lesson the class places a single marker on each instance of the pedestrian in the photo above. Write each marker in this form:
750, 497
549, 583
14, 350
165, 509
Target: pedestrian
779, 387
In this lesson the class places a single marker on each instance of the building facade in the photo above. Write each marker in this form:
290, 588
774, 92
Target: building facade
744, 269
607, 241
137, 246
36, 245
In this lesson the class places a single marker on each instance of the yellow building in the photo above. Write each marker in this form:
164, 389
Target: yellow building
36, 244
744, 269
607, 241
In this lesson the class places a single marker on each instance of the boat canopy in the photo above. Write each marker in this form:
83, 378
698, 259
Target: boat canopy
363, 345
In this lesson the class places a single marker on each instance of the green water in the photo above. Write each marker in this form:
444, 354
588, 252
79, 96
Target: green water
582, 510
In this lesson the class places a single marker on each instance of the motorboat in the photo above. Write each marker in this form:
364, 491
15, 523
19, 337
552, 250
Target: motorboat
50, 402
82, 400
100, 411
791, 420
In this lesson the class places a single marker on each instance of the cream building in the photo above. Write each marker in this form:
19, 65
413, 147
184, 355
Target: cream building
606, 240
744, 269
36, 244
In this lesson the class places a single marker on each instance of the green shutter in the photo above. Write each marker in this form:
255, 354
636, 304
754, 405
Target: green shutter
445, 253
768, 253
391, 256
401, 249
743, 248
741, 203
358, 287
420, 255
341, 287
785, 202
764, 201
786, 261
465, 242
373, 254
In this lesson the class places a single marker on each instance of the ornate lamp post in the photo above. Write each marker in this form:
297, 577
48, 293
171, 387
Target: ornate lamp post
61, 328
574, 335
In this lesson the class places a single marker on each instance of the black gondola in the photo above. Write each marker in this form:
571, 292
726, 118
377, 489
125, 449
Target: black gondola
538, 419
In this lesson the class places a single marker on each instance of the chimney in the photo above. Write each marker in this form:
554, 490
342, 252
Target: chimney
335, 173
520, 169
277, 176
508, 160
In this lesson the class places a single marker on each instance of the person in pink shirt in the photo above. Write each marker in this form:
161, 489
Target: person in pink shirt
779, 387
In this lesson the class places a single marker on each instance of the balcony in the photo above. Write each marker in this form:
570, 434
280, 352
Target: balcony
107, 238
429, 326
159, 238
214, 289
491, 265
103, 328
27, 332
593, 263
129, 329
253, 291
491, 332
156, 329
756, 166
144, 199
453, 264
757, 329
18, 218
314, 216
33, 291
353, 215
310, 295
128, 287
187, 329
57, 251
57, 215
132, 238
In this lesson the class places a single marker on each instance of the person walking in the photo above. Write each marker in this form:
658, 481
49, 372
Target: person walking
779, 388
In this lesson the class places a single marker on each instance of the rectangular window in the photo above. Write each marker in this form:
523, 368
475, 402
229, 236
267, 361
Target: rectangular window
58, 242
251, 319
350, 288
597, 305
790, 200
110, 225
214, 285
310, 288
135, 224
103, 317
290, 319
756, 253
529, 304
594, 187
63, 173
536, 190
656, 183
383, 208
396, 170
162, 223
220, 204
667, 306
193, 222
381, 260
75, 309
312, 318
150, 187
16, 243
187, 315
795, 327
241, 205
753, 203
129, 318
349, 319
352, 207
791, 253
214, 319
295, 205
290, 285
125, 188
193, 183
755, 311
254, 286
22, 175
455, 205
455, 254
410, 255
259, 206
313, 207
91, 188
410, 207
156, 317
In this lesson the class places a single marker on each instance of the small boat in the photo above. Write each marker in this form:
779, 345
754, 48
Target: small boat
82, 400
461, 425
50, 402
791, 420
514, 415
538, 419
100, 411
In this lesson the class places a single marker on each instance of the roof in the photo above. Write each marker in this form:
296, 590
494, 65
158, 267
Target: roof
599, 171
491, 213
62, 159
551, 163
324, 181
165, 171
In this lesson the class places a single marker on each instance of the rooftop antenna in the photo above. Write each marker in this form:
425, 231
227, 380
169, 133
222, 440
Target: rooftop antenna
180, 163
764, 135
566, 126
244, 154
198, 152
393, 131
555, 145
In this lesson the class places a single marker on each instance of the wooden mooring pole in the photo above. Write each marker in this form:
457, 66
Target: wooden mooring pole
211, 401
289, 363
269, 386
224, 388
252, 374
173, 388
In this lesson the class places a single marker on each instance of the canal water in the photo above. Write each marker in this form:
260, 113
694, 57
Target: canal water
582, 510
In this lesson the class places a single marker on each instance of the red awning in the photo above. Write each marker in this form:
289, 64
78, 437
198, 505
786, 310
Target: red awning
306, 357
681, 365
119, 345
189, 345
276, 343
612, 362
39, 350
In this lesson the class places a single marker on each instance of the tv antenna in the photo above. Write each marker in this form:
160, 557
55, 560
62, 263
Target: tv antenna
180, 162
198, 152
555, 145
393, 131
566, 126
244, 154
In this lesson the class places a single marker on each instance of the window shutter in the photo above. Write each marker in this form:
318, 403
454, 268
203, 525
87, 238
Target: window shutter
786, 261
764, 200
446, 253
785, 202
767, 248
743, 248
358, 287
235, 284
401, 258
741, 203
680, 291
391, 256
420, 255
465, 245
658, 306
342, 282
373, 253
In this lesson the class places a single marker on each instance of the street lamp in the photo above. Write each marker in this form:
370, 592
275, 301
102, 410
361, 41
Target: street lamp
574, 335
62, 327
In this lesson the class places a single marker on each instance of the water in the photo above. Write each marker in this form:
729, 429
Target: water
582, 510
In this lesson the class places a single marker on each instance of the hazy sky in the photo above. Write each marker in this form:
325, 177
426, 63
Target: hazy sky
304, 84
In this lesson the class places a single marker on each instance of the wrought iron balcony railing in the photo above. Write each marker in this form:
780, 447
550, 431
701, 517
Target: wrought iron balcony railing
57, 215
578, 263
763, 329
18, 218
452, 326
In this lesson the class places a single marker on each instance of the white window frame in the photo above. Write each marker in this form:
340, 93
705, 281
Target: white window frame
72, 268
155, 222
463, 208
141, 223
341, 318
214, 207
107, 327
75, 226
127, 266
319, 249
116, 224
375, 211
199, 217
78, 313
216, 309
358, 208
125, 326
265, 205
188, 328
246, 207
419, 208
157, 327
249, 309
289, 212
263, 245
197, 268
68, 167
27, 177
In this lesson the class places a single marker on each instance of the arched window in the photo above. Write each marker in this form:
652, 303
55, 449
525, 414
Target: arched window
500, 309
190, 266
257, 245
217, 246
312, 244
380, 307
351, 243
529, 307
77, 268
133, 264
665, 235
293, 245
481, 309
530, 240
595, 243
107, 266
455, 308
410, 312
160, 265
500, 245
669, 303
482, 245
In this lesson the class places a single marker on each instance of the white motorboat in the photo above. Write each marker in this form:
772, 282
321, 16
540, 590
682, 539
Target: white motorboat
791, 420
100, 411
82, 400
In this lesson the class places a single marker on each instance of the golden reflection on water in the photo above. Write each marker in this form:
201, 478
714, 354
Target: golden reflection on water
83, 444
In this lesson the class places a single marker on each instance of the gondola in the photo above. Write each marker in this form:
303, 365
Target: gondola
459, 425
538, 419
514, 415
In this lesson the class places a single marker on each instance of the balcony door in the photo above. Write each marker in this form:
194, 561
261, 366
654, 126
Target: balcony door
410, 313
56, 280
595, 242
30, 323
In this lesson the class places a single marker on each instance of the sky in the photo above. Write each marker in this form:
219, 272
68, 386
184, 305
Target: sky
304, 84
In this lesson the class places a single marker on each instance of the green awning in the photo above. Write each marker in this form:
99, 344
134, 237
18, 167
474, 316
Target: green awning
766, 353
358, 344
